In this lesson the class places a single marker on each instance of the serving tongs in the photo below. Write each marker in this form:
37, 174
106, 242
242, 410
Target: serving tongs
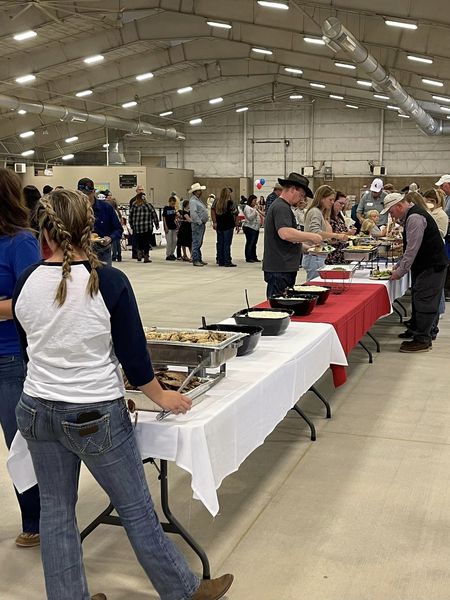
165, 413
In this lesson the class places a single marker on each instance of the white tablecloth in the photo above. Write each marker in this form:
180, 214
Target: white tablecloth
235, 416
395, 289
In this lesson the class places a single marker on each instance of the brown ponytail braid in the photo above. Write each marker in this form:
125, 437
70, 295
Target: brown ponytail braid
68, 218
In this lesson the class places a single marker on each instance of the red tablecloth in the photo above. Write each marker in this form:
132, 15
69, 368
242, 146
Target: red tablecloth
352, 314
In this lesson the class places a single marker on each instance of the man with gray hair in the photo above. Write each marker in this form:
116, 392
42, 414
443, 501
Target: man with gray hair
425, 256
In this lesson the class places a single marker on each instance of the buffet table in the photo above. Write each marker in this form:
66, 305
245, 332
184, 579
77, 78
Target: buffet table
234, 417
395, 289
352, 315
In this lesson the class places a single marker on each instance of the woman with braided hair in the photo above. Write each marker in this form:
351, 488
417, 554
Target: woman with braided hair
72, 409
18, 250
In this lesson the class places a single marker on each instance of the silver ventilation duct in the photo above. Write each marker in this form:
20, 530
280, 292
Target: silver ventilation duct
71, 115
336, 34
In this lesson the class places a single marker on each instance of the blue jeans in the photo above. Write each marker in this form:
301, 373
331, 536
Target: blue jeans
278, 282
104, 254
224, 239
12, 375
311, 263
251, 240
106, 445
116, 250
198, 232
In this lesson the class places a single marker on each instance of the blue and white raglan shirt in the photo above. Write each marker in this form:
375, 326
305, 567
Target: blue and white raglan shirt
73, 352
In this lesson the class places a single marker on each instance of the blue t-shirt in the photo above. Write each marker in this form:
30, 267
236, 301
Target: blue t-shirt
16, 254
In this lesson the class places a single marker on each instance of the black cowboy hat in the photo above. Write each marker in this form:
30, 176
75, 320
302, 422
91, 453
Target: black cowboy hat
299, 181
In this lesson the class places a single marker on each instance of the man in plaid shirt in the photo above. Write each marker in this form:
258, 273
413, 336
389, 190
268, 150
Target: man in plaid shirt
142, 218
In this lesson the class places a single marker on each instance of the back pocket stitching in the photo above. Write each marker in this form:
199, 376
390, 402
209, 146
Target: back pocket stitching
81, 448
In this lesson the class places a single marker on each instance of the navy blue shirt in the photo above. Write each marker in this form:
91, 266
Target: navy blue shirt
16, 254
106, 220
170, 213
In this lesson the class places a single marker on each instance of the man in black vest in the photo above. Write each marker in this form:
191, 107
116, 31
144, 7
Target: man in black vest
424, 254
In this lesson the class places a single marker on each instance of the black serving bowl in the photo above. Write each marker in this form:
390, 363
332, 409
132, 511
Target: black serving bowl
270, 326
302, 305
322, 296
249, 342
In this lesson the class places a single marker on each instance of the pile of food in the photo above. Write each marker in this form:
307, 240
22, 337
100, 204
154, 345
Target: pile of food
310, 288
268, 314
379, 274
201, 337
172, 380
169, 380
322, 249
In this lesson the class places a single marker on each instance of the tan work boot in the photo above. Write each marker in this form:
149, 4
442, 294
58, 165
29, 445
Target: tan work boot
28, 540
213, 589
99, 597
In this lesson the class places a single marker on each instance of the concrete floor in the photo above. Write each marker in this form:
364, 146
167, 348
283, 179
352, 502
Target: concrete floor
361, 514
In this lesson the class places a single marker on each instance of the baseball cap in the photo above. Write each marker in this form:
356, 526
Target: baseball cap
376, 185
86, 185
443, 179
390, 200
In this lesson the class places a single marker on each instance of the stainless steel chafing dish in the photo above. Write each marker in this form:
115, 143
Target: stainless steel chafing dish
143, 403
169, 352
360, 255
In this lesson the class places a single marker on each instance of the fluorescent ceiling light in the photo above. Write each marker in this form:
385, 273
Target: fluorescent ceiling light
351, 106
219, 24
433, 82
242, 109
319, 86
293, 70
401, 24
144, 76
22, 112
364, 83
26, 35
296, 97
69, 140
216, 100
166, 114
336, 97
421, 59
447, 117
67, 156
105, 146
185, 90
84, 93
262, 51
274, 4
129, 104
442, 99
196, 121
26, 134
404, 116
28, 153
314, 40
381, 97
92, 60
25, 78
445, 108
391, 107
344, 65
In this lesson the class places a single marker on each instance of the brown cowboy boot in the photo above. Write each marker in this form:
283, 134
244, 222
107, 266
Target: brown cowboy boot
213, 589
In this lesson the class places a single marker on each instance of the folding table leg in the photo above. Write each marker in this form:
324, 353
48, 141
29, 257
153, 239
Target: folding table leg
402, 306
368, 352
307, 420
377, 343
174, 526
315, 391
395, 309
